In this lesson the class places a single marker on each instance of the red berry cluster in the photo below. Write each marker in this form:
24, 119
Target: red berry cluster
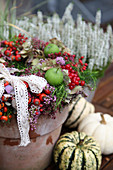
53, 56
73, 75
12, 47
68, 56
33, 99
84, 65
4, 115
37, 99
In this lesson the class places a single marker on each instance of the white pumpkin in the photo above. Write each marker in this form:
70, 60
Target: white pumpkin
78, 109
100, 126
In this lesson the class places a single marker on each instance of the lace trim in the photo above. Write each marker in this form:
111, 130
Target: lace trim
36, 85
1, 88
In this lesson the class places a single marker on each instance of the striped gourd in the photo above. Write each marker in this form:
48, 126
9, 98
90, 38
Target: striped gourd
78, 109
77, 151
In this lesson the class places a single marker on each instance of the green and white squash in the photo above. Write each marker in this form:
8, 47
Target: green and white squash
77, 151
78, 109
100, 126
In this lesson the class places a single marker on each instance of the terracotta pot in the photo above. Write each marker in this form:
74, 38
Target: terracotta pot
37, 155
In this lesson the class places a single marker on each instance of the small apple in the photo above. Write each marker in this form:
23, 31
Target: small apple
54, 76
51, 48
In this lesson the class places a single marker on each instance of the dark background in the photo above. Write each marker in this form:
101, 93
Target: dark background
87, 8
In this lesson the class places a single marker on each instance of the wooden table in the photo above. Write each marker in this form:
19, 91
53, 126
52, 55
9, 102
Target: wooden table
103, 101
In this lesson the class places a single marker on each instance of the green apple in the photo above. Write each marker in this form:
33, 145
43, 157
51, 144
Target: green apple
54, 76
51, 48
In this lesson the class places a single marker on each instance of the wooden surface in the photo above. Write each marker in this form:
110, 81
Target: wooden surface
103, 101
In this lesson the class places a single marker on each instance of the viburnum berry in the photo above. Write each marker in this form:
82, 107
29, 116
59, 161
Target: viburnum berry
78, 78
1, 114
70, 77
63, 67
36, 101
10, 116
76, 65
72, 71
68, 54
41, 105
16, 52
6, 42
8, 48
42, 96
5, 109
82, 82
45, 44
77, 82
4, 98
81, 57
73, 80
6, 83
67, 66
7, 53
47, 91
29, 100
11, 43
21, 42
41, 110
38, 94
19, 35
2, 104
37, 113
70, 74
73, 84
84, 68
66, 58
14, 48
75, 74
59, 53
80, 61
86, 64
71, 87
4, 118
12, 57
18, 57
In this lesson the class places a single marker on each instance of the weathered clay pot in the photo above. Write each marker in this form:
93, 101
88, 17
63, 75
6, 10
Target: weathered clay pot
90, 94
37, 155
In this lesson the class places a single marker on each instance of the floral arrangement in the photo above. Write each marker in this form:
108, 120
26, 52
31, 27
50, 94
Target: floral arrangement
38, 78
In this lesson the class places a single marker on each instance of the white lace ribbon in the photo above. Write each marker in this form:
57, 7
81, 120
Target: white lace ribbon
36, 85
